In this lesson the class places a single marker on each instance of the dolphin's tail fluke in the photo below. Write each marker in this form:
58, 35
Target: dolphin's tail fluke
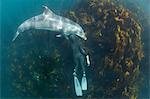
84, 82
16, 35
77, 85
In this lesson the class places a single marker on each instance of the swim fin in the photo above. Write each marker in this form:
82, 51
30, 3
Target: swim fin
84, 82
78, 89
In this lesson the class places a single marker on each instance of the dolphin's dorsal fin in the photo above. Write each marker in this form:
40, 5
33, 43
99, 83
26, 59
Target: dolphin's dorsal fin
47, 10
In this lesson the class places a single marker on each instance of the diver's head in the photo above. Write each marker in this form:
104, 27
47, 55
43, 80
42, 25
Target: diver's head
82, 35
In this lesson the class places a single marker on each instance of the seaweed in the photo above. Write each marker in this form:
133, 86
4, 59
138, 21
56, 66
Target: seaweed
116, 48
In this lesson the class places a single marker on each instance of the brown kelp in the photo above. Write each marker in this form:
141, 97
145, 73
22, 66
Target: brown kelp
42, 65
37, 65
115, 46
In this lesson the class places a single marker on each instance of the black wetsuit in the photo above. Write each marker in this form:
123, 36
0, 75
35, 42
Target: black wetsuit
79, 53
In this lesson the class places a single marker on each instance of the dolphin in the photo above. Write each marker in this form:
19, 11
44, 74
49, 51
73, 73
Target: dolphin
50, 21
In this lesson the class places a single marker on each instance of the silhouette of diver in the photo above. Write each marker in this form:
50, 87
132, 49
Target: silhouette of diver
79, 55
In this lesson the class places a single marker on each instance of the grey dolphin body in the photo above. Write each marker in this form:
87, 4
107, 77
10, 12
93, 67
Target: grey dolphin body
50, 21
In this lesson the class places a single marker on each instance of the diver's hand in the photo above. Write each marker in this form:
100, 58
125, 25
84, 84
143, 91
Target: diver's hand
88, 60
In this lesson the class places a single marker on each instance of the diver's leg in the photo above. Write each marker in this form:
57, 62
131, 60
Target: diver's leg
84, 80
76, 65
82, 62
77, 85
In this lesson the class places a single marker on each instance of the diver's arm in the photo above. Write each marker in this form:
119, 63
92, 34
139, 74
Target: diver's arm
82, 50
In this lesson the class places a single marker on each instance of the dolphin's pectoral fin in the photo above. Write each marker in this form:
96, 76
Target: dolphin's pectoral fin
46, 10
